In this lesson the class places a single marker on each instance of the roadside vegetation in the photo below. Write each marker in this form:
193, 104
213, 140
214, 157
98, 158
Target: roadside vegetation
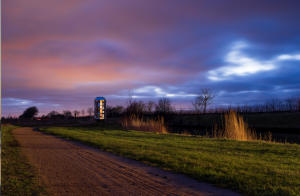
18, 177
249, 167
235, 127
147, 125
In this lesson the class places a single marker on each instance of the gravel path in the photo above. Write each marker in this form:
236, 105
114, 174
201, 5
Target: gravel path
71, 168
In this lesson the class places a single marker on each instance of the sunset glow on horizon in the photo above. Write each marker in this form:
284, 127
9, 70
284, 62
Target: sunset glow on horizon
60, 56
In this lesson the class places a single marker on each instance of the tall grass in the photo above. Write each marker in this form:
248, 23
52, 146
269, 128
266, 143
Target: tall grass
149, 125
236, 128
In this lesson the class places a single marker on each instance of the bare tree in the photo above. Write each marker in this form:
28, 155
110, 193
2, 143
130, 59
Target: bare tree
82, 112
135, 108
164, 105
76, 113
118, 110
114, 111
198, 107
67, 113
245, 108
130, 98
164, 108
206, 97
272, 105
52, 113
150, 106
109, 111
90, 111
289, 104
238, 108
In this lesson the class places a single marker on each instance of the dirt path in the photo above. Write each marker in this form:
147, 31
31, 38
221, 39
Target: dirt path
71, 168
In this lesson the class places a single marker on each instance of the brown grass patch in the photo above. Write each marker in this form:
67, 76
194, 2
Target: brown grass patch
148, 125
236, 128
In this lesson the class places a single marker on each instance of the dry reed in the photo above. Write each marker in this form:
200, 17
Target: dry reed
149, 125
235, 128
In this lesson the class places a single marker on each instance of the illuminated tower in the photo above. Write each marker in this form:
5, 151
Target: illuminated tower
99, 108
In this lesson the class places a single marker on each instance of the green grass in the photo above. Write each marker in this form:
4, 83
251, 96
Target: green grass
252, 168
18, 177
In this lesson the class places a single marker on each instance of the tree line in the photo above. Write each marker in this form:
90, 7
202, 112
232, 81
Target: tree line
269, 106
164, 107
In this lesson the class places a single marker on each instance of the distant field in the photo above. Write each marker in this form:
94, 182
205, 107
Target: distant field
18, 177
254, 168
256, 120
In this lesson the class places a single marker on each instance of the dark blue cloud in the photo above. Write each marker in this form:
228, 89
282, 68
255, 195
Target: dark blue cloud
61, 57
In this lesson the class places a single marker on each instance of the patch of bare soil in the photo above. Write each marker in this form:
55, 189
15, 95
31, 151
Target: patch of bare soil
71, 168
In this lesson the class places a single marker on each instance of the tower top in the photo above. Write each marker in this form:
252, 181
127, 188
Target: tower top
100, 98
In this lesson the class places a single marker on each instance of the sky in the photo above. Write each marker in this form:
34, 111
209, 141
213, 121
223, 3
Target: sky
60, 55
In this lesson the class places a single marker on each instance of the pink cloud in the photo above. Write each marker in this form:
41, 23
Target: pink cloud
106, 47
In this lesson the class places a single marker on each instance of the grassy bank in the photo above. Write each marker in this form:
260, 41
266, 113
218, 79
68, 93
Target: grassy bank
18, 177
254, 168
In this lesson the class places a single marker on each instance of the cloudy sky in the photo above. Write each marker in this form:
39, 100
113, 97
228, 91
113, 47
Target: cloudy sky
60, 55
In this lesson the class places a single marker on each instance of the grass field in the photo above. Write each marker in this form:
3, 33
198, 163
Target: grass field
249, 167
18, 177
